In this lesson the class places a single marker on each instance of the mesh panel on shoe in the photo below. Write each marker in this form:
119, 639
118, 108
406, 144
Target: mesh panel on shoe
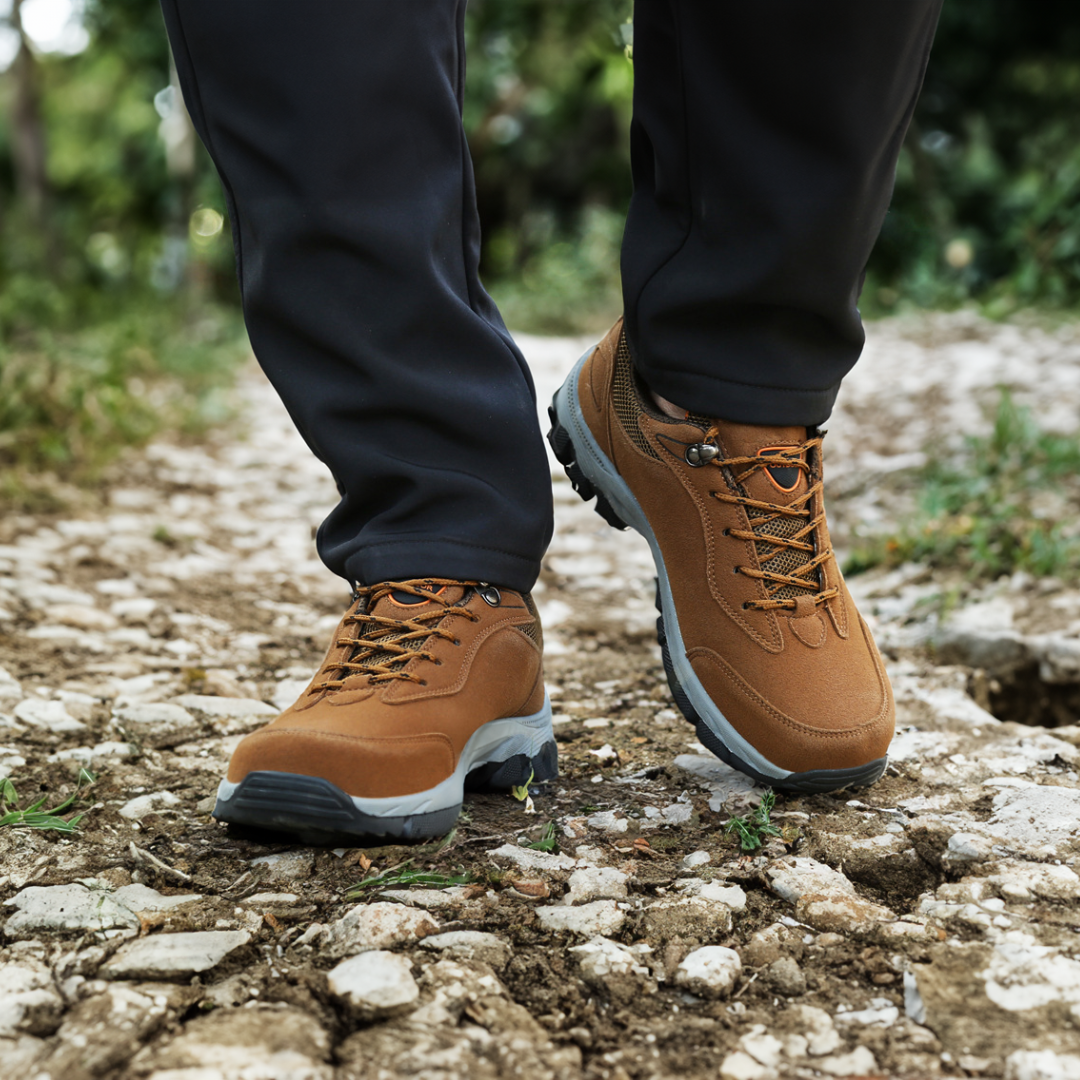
415, 645
790, 560
387, 657
625, 399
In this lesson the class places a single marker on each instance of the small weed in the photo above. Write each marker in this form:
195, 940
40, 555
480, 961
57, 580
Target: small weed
33, 817
406, 877
521, 793
588, 808
751, 830
549, 840
1006, 503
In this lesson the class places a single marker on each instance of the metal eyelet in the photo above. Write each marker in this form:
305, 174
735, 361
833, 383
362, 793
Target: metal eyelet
701, 454
489, 594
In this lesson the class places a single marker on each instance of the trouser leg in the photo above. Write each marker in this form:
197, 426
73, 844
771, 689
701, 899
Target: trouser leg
764, 143
336, 128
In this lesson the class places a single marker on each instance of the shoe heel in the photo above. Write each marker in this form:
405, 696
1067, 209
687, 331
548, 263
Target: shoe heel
563, 447
515, 771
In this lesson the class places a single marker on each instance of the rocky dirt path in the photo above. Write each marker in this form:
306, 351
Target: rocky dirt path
927, 926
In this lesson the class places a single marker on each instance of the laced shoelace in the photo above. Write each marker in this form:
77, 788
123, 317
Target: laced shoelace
761, 513
379, 635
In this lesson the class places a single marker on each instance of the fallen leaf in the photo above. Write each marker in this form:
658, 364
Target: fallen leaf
535, 889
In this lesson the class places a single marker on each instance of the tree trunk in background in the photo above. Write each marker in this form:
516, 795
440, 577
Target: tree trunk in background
27, 128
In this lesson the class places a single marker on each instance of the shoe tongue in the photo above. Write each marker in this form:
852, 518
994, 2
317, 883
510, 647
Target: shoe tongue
399, 604
780, 483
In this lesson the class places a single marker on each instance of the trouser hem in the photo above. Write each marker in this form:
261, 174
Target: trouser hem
738, 402
401, 560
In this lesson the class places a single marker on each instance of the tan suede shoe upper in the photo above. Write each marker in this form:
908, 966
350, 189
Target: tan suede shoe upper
769, 628
403, 687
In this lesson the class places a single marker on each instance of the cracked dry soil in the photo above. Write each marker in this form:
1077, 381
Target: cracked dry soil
927, 926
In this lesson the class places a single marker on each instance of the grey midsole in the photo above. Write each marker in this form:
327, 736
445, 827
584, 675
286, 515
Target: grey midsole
497, 740
602, 474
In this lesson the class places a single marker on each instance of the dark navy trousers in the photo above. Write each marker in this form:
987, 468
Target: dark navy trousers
764, 141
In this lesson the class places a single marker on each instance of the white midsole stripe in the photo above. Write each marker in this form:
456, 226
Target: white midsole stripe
498, 740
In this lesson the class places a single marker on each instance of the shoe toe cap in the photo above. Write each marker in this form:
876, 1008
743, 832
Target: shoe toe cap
362, 767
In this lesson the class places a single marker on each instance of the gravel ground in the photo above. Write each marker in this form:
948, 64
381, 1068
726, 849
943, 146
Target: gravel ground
927, 926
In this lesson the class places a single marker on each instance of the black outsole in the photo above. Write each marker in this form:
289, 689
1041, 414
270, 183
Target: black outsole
815, 781
563, 446
321, 814
518, 770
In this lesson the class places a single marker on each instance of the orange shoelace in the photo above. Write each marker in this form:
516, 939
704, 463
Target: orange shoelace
383, 645
807, 576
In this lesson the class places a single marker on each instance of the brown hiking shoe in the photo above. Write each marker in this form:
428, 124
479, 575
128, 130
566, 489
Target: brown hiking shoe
763, 647
430, 687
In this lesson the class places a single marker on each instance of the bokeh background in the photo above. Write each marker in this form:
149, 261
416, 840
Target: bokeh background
118, 307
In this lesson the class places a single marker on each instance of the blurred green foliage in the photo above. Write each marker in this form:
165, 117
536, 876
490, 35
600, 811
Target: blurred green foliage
987, 201
114, 322
547, 112
110, 279
1006, 502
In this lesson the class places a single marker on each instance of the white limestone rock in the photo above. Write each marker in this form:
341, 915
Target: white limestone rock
150, 803
10, 691
601, 917
448, 986
824, 898
29, 1004
284, 867
731, 896
96, 756
1041, 1065
821, 1035
227, 715
722, 781
1035, 818
375, 984
471, 945
173, 956
741, 1066
693, 917
142, 898
158, 724
524, 858
607, 965
378, 926
596, 883
611, 821
859, 1062
47, 715
10, 757
710, 971
427, 898
765, 1049
51, 908
257, 1042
